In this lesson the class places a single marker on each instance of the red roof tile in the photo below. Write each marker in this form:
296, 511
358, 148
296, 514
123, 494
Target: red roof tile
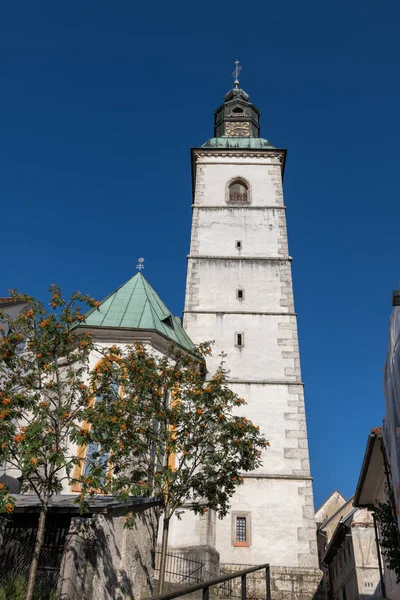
11, 301
377, 430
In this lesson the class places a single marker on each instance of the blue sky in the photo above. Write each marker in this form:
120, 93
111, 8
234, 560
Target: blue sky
99, 105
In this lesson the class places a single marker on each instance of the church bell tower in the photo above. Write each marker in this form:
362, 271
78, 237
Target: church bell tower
239, 293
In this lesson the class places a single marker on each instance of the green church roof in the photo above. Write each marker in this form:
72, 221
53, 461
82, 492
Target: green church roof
238, 142
136, 305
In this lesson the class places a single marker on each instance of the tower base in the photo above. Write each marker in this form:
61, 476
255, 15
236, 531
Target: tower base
287, 583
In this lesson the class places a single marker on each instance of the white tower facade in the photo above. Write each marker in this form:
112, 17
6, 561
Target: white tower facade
239, 293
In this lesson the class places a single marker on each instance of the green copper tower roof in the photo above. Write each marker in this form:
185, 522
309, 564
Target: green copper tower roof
135, 305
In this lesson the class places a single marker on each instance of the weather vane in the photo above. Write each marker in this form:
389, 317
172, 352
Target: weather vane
235, 74
140, 265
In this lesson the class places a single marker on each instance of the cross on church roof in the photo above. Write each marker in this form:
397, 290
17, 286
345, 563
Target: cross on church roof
235, 74
140, 264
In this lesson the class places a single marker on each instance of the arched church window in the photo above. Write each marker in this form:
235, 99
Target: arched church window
238, 191
94, 454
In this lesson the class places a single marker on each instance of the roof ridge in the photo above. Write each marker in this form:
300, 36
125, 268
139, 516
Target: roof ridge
150, 291
130, 297
323, 525
92, 310
152, 312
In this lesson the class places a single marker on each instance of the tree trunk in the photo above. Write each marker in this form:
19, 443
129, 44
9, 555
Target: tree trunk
163, 559
36, 553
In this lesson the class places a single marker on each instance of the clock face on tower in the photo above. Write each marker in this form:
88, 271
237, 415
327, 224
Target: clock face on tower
237, 129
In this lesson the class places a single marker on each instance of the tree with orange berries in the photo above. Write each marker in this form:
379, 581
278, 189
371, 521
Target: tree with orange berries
169, 432
154, 425
44, 391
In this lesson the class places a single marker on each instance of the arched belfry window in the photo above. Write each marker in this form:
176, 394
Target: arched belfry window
237, 111
238, 191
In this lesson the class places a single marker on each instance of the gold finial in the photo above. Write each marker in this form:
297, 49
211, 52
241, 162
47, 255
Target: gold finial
235, 74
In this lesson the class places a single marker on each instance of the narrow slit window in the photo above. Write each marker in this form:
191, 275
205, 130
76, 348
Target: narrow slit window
240, 294
239, 339
241, 529
239, 245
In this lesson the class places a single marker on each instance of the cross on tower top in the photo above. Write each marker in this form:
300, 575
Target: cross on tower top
235, 74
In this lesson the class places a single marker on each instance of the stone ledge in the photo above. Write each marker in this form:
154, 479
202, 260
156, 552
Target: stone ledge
254, 259
306, 477
264, 382
244, 312
230, 206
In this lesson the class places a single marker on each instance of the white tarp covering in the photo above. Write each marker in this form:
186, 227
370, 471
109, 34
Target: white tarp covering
391, 386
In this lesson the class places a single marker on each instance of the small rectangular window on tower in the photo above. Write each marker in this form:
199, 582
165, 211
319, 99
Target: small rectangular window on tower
240, 294
239, 339
238, 245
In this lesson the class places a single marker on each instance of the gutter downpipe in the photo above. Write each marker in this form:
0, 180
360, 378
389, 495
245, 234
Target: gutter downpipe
330, 578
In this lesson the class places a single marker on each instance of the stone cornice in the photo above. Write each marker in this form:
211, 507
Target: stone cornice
225, 206
252, 258
264, 382
239, 153
277, 476
242, 312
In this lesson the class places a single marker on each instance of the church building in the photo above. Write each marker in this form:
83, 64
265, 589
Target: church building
238, 293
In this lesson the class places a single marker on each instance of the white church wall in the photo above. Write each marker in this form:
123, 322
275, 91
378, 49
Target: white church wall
262, 282
262, 173
269, 406
261, 357
281, 534
190, 529
219, 228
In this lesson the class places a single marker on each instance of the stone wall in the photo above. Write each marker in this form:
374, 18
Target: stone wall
205, 554
104, 560
286, 583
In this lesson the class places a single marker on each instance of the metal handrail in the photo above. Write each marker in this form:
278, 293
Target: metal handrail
205, 586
